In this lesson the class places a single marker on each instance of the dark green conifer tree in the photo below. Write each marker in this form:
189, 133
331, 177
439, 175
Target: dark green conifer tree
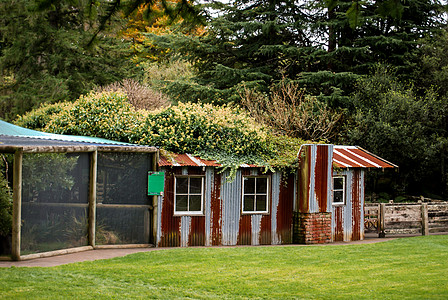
325, 45
46, 54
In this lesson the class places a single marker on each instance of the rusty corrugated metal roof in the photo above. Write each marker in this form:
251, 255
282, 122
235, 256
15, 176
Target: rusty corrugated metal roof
343, 157
357, 157
185, 160
189, 160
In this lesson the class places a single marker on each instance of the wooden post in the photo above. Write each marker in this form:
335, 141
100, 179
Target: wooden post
155, 201
381, 222
425, 227
17, 204
92, 196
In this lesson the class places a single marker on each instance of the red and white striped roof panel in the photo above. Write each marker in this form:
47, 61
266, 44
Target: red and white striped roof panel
357, 157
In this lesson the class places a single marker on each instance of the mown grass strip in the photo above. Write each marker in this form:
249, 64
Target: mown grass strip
404, 268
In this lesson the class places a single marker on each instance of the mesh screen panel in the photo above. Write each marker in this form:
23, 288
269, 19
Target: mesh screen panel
6, 163
55, 189
123, 211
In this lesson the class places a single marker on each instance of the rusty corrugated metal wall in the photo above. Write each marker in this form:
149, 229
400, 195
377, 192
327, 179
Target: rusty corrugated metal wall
347, 221
222, 222
315, 178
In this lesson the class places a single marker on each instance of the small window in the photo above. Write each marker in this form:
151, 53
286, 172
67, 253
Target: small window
255, 194
339, 190
188, 195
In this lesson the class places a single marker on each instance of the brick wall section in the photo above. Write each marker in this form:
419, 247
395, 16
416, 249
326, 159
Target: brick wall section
312, 228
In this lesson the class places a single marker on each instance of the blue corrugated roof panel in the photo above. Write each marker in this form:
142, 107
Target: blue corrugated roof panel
8, 129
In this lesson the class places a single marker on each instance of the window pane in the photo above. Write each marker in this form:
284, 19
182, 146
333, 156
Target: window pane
195, 185
249, 185
338, 196
338, 183
248, 203
195, 203
262, 185
181, 185
181, 202
261, 203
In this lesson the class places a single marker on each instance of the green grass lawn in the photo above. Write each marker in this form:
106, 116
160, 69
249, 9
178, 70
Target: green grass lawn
406, 268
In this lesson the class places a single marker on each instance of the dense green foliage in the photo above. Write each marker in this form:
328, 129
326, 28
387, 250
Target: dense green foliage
393, 122
400, 269
325, 45
108, 115
222, 133
45, 54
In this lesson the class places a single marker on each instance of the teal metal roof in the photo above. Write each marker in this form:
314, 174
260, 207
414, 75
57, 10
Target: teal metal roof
10, 129
13, 130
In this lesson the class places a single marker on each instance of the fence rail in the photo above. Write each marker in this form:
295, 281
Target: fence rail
406, 218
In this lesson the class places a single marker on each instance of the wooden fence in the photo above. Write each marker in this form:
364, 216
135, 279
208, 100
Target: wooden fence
406, 218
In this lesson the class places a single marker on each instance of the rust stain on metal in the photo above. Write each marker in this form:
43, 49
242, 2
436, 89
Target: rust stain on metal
196, 236
196, 171
338, 223
321, 177
304, 180
170, 225
285, 209
216, 211
185, 160
245, 171
265, 222
245, 230
265, 230
356, 206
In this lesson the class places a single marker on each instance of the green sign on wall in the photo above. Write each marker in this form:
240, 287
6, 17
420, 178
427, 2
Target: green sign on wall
156, 183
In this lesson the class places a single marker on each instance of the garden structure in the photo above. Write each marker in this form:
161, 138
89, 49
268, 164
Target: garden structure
75, 192
319, 202
80, 193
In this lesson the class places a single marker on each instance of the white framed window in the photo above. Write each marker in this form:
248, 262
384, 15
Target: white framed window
255, 198
188, 195
338, 189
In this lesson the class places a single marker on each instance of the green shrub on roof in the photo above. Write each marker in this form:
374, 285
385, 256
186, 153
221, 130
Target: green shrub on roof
38, 118
105, 114
223, 133
192, 128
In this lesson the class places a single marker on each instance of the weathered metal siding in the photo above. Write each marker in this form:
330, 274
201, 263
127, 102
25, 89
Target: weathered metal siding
283, 199
213, 208
315, 175
223, 223
231, 208
180, 230
347, 220
169, 234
